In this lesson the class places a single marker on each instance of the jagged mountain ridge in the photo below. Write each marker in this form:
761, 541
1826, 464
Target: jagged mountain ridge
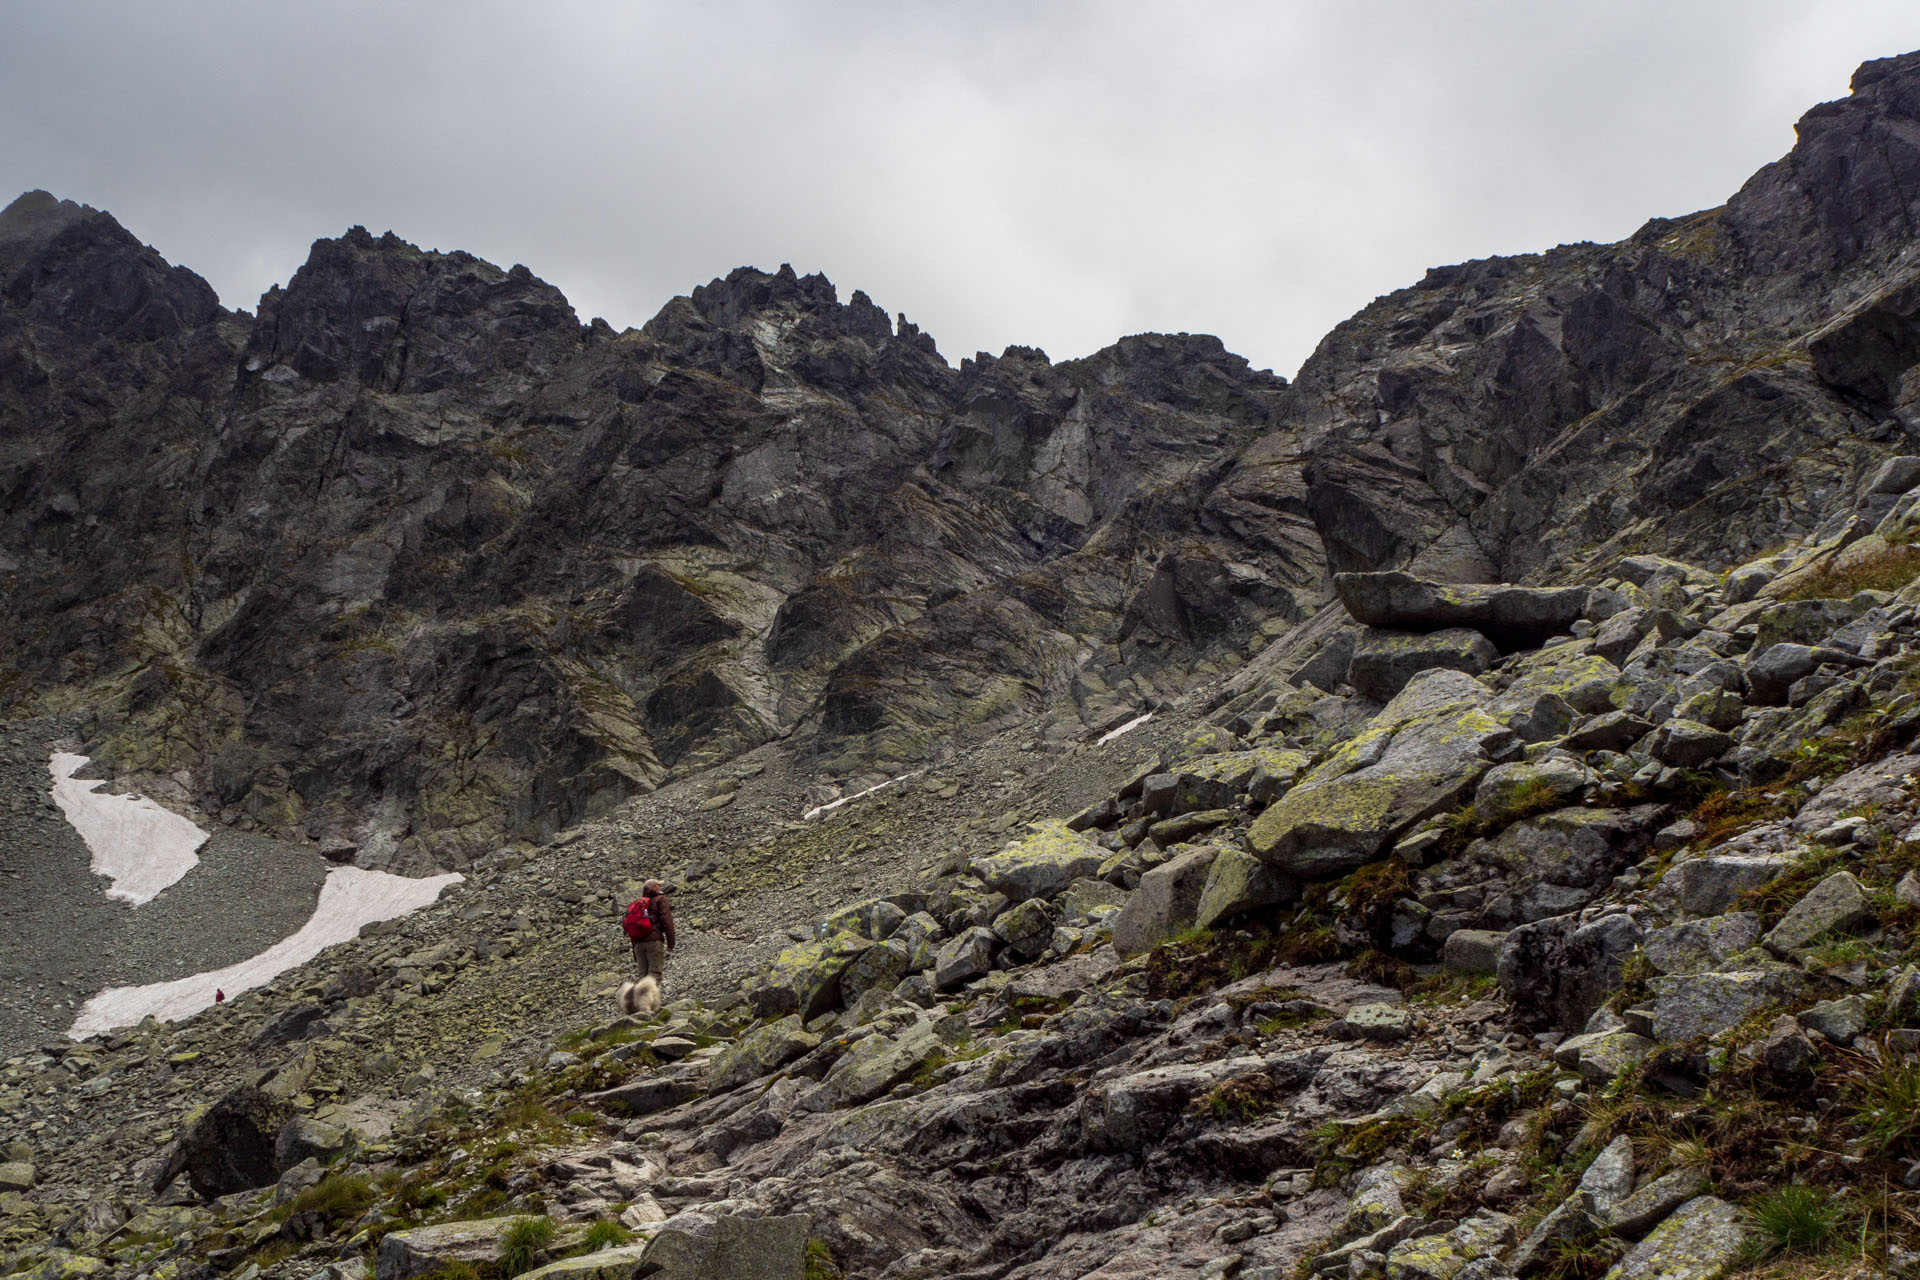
413, 559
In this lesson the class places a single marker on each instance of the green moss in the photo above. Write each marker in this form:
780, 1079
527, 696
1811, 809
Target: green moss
819, 1262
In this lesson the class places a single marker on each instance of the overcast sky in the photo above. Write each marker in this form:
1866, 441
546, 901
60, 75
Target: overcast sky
1051, 174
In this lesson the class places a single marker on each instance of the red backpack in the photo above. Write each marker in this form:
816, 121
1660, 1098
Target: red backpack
639, 922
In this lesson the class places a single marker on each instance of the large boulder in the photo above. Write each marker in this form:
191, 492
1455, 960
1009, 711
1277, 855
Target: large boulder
1169, 832
805, 978
1167, 901
880, 966
1512, 617
1774, 670
728, 1247
418, 1250
1688, 744
230, 1146
1708, 886
760, 1051
874, 918
1694, 946
919, 933
1556, 972
1557, 862
1217, 781
1564, 673
656, 1092
1027, 929
1686, 1006
623, 1262
1524, 787
1473, 951
303, 1137
1609, 731
1420, 756
1238, 882
1089, 899
873, 1065
1041, 864
1836, 905
1702, 1240
1383, 661
964, 958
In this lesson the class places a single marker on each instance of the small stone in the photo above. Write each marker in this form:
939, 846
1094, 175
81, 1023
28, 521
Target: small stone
1838, 1020
1688, 744
1379, 1022
1903, 993
17, 1175
1473, 951
1785, 1052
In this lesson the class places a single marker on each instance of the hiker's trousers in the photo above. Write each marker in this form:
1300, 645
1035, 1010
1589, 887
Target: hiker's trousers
650, 958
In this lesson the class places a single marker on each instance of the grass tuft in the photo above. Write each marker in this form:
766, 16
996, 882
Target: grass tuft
338, 1198
1886, 1105
521, 1245
1795, 1219
605, 1233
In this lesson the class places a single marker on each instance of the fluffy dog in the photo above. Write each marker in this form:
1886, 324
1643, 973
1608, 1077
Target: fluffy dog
642, 997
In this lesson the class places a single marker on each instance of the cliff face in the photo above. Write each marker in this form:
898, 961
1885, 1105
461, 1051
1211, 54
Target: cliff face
412, 560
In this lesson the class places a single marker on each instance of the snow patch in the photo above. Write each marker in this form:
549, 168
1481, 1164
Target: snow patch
141, 847
1128, 727
350, 898
817, 810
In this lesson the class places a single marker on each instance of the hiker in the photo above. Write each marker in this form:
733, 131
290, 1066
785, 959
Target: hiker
649, 924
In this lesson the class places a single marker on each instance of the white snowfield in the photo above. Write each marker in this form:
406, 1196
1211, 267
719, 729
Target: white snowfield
141, 847
350, 898
1123, 730
819, 809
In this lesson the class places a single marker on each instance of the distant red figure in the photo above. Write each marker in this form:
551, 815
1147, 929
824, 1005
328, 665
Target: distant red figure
219, 996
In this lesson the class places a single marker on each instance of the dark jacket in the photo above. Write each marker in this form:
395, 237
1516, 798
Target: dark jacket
662, 912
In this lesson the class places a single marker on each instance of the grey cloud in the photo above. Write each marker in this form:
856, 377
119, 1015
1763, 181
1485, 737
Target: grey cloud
1054, 175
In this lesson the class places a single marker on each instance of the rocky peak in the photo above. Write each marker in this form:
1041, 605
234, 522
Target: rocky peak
1851, 184
393, 317
747, 290
36, 217
76, 268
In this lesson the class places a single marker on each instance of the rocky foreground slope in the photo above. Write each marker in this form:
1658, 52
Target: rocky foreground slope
1428, 929
1594, 956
